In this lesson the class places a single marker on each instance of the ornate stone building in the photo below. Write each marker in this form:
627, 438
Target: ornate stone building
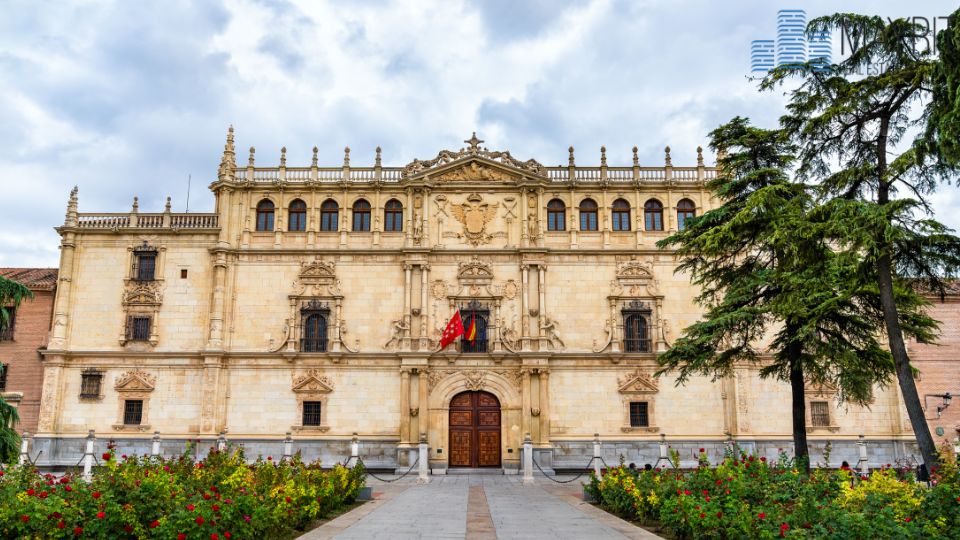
313, 299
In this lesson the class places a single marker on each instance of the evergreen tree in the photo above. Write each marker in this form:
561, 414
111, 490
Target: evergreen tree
848, 127
11, 294
765, 270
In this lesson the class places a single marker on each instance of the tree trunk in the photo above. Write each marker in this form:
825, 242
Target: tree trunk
891, 319
799, 405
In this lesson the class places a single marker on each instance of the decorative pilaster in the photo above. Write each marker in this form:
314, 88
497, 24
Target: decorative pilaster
543, 379
405, 406
58, 340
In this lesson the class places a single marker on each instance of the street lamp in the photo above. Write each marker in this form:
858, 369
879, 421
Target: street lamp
947, 397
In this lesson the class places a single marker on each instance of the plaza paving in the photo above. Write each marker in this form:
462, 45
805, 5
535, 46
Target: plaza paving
477, 507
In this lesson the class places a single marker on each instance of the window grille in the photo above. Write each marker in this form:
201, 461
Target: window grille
311, 413
471, 313
639, 414
636, 327
819, 414
138, 328
4, 369
90, 384
132, 412
315, 316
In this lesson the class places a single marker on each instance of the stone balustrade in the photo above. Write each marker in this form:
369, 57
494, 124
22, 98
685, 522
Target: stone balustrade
135, 220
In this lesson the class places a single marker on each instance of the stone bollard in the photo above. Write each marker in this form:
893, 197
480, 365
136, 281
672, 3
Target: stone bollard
222, 441
862, 463
596, 455
155, 446
25, 448
355, 449
527, 459
88, 457
288, 446
423, 454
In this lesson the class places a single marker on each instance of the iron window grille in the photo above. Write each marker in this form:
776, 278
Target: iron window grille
819, 413
639, 414
90, 383
132, 412
7, 333
636, 327
311, 413
315, 316
138, 328
469, 313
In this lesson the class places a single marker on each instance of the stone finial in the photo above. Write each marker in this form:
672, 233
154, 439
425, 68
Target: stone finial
229, 159
346, 156
603, 156
71, 218
474, 143
666, 160
250, 159
313, 162
699, 156
283, 156
136, 205
379, 151
571, 160
636, 159
166, 207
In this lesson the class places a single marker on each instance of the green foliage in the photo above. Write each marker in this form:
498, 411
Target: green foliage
11, 295
132, 497
942, 137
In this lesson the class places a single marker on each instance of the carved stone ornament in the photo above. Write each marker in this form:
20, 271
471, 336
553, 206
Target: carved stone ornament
515, 376
135, 381
312, 382
474, 380
473, 171
638, 382
474, 272
510, 289
438, 289
472, 152
317, 278
142, 293
636, 278
474, 215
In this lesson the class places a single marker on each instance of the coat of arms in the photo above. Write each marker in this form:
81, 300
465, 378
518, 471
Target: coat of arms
474, 216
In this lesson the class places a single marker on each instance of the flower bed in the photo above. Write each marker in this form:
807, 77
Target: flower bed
221, 497
747, 497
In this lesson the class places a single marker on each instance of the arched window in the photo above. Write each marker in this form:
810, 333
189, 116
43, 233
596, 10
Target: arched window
329, 212
653, 215
588, 215
474, 316
393, 216
361, 215
265, 215
636, 337
314, 333
621, 215
685, 210
556, 215
297, 218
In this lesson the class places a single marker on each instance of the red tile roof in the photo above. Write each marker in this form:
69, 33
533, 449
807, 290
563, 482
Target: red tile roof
43, 279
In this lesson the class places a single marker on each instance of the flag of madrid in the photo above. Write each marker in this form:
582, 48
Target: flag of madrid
453, 331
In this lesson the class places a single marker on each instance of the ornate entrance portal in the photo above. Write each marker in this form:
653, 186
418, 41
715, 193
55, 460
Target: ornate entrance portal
474, 430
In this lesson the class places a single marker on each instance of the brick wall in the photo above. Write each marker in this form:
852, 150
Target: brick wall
25, 375
939, 367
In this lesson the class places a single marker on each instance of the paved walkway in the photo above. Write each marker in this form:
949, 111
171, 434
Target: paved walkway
478, 508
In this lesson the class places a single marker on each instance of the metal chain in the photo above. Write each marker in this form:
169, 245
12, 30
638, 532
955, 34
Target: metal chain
586, 469
395, 479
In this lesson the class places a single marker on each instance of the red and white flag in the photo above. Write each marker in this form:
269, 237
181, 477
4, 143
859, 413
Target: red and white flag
453, 331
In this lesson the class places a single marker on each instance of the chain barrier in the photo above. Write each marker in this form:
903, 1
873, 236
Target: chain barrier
395, 479
33, 461
349, 459
586, 469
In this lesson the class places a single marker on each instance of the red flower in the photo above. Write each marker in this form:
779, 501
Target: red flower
181, 536
128, 528
908, 520
719, 514
68, 489
762, 515
763, 458
727, 492
101, 515
24, 518
31, 492
1, 473
106, 456
96, 494
199, 520
702, 450
77, 531
61, 525
708, 498
154, 524
216, 508
227, 535
686, 492
166, 468
287, 499
190, 507
702, 515
269, 458
206, 496
123, 456
246, 518
719, 482
783, 529
214, 536
706, 491
43, 494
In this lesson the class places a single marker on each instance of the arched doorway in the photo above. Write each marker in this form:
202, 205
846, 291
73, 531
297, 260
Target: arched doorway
474, 430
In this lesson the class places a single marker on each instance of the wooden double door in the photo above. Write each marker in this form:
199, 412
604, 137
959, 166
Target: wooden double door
475, 430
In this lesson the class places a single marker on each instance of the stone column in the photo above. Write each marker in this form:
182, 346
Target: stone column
424, 333
542, 307
423, 408
544, 383
407, 295
215, 336
405, 406
525, 303
525, 401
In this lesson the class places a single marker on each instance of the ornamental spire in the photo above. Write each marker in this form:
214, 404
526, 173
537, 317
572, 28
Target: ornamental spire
636, 159
474, 143
71, 218
570, 160
346, 156
378, 162
229, 159
603, 156
699, 156
666, 160
283, 156
250, 160
313, 162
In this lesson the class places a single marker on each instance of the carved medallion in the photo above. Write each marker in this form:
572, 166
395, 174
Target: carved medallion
474, 216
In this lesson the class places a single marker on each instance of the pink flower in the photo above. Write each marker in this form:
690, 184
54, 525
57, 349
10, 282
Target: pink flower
246, 518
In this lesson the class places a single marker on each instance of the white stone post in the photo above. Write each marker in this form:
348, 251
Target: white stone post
25, 448
424, 457
288, 446
527, 459
596, 455
155, 447
862, 463
355, 449
222, 441
88, 457
663, 447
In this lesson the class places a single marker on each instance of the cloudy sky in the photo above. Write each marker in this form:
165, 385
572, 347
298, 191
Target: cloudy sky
130, 98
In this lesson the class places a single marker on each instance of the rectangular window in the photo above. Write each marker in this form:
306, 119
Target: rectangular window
311, 413
4, 368
819, 414
138, 328
556, 221
654, 221
328, 221
90, 384
132, 412
588, 221
146, 266
361, 221
7, 333
639, 414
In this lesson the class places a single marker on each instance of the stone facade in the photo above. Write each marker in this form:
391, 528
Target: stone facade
20, 344
255, 314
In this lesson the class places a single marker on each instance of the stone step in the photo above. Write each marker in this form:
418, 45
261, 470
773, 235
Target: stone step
468, 471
